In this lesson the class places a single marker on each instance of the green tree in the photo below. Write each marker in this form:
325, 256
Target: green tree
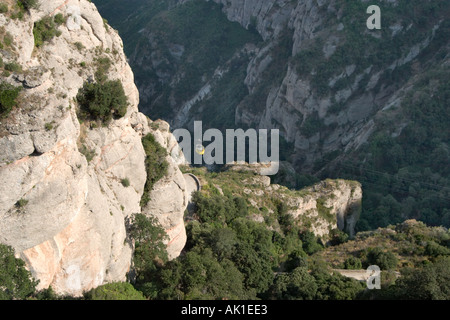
28, 4
296, 258
352, 263
102, 101
337, 287
431, 282
433, 249
169, 282
16, 281
223, 242
385, 260
8, 96
150, 250
310, 242
203, 277
297, 285
114, 291
338, 237
156, 165
255, 265
211, 208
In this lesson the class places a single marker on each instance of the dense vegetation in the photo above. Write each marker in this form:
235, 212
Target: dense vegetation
102, 101
46, 29
8, 98
229, 256
15, 280
156, 165
114, 291
238, 258
28, 4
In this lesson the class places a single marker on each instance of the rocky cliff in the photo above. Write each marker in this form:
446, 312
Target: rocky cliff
316, 71
337, 77
63, 204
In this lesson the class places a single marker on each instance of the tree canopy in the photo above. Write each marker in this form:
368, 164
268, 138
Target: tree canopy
16, 281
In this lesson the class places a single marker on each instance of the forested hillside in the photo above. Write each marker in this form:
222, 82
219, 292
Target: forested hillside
230, 255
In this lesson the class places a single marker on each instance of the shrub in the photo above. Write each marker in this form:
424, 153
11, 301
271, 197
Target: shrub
45, 30
337, 237
13, 67
155, 164
114, 291
27, 4
384, 260
102, 101
48, 126
297, 285
434, 249
3, 8
103, 65
125, 182
8, 39
79, 46
311, 244
352, 263
21, 203
59, 19
8, 96
88, 153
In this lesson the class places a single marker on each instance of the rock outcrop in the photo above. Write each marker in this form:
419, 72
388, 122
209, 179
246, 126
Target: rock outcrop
325, 206
330, 204
170, 195
62, 204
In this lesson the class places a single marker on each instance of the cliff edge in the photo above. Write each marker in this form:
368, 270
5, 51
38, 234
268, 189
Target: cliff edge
63, 200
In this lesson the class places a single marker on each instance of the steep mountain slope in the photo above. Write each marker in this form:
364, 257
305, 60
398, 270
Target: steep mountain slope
350, 102
180, 53
70, 182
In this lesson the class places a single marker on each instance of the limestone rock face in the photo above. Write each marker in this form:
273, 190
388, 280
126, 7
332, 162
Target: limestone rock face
169, 197
65, 215
352, 101
331, 204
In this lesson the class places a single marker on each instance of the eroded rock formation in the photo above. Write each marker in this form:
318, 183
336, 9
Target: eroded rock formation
65, 215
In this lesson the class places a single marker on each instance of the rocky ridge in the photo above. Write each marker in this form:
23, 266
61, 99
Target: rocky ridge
65, 215
320, 208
